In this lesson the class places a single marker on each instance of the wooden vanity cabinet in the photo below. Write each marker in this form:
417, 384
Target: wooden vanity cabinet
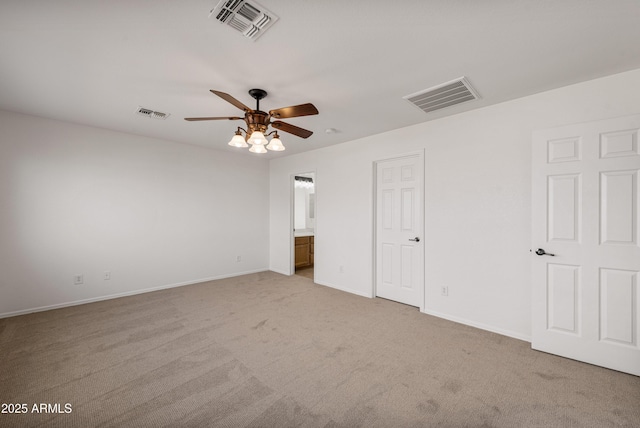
304, 251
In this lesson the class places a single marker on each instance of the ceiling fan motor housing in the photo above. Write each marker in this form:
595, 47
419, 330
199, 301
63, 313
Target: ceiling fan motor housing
257, 121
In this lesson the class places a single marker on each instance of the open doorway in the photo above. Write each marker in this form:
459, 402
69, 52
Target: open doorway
304, 223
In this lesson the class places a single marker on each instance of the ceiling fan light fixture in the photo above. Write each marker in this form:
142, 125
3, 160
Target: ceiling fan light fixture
258, 148
238, 140
257, 138
275, 144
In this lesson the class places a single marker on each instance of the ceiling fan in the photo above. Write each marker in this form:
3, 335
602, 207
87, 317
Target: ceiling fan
258, 122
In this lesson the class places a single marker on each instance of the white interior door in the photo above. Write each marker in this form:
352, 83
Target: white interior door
399, 225
585, 212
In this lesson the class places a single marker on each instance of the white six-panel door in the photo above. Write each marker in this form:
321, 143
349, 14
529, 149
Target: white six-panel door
586, 213
399, 225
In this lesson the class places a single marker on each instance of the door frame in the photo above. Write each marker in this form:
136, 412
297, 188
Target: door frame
374, 283
292, 218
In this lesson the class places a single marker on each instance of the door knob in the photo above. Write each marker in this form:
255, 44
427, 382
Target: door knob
542, 252
416, 239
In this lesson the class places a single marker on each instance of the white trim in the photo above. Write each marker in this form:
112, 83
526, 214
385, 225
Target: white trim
292, 218
281, 272
346, 290
125, 294
463, 321
500, 331
292, 225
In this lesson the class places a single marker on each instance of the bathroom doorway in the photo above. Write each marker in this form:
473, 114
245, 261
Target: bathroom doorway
304, 224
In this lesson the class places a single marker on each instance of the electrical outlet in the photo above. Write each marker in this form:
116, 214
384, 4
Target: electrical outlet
444, 290
107, 275
78, 279
238, 259
341, 269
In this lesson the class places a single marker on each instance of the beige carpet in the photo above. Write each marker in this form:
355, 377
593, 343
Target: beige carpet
266, 350
306, 272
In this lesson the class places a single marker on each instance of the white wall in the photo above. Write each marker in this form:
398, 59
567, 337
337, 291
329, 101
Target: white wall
82, 200
477, 201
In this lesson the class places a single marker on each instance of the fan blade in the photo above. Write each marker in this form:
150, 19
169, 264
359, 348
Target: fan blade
294, 111
228, 98
192, 119
291, 129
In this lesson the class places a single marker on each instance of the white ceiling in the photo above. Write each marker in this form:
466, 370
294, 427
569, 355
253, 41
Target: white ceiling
94, 62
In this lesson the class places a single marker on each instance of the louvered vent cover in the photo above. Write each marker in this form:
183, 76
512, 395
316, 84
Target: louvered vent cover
249, 18
150, 113
446, 95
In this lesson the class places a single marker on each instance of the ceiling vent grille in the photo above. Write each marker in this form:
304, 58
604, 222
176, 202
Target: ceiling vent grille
249, 18
445, 95
150, 113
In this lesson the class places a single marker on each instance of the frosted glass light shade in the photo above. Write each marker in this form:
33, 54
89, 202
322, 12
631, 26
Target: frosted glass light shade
258, 148
238, 141
257, 138
275, 145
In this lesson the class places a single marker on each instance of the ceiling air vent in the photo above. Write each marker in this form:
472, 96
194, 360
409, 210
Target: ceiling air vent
249, 18
446, 95
150, 113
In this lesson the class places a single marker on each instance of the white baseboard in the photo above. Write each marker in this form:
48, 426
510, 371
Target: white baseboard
125, 294
281, 272
347, 290
464, 321
503, 332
